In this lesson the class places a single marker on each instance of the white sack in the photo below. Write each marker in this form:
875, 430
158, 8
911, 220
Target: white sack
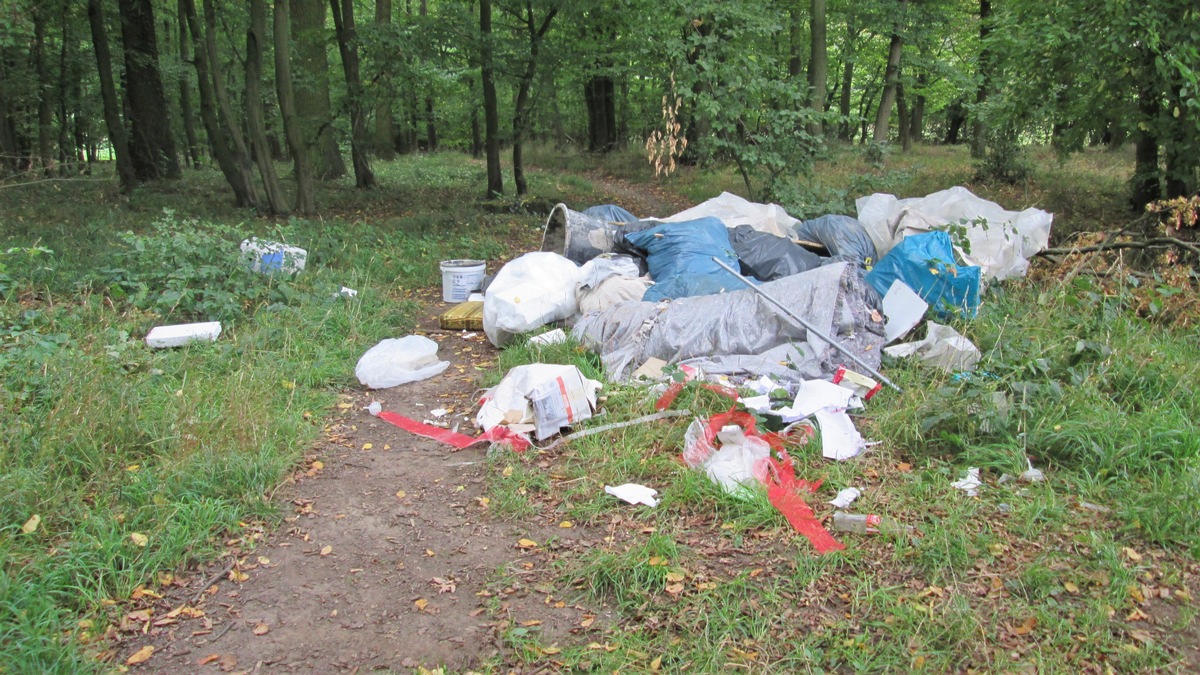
397, 361
734, 210
529, 292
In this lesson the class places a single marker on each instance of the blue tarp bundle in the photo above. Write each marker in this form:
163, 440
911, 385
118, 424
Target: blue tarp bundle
612, 213
680, 258
926, 263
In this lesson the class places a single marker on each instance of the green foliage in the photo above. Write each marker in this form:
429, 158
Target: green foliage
1005, 161
188, 270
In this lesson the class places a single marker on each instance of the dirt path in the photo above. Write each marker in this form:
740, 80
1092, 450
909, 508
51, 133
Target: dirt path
389, 559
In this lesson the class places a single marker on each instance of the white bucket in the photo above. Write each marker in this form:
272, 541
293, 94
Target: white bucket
461, 278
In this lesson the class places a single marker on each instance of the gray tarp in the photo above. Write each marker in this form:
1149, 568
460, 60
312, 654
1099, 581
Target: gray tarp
740, 333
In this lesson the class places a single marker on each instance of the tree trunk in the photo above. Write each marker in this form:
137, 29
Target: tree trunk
384, 133
152, 142
476, 133
600, 96
916, 121
902, 113
846, 132
255, 34
491, 112
347, 38
818, 65
891, 79
312, 88
230, 123
1147, 177
796, 45
45, 103
306, 202
108, 92
66, 154
185, 91
520, 107
224, 149
978, 140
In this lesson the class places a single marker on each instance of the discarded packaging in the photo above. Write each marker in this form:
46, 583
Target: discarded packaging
943, 347
733, 211
903, 308
347, 292
461, 278
273, 256
529, 292
741, 461
397, 361
463, 316
375, 408
1032, 475
554, 337
561, 392
845, 498
969, 483
867, 524
634, 493
862, 386
182, 334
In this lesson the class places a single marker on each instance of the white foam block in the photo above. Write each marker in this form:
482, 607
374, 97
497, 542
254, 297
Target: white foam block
183, 333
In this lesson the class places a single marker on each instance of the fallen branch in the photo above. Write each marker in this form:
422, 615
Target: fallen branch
1145, 244
214, 579
619, 425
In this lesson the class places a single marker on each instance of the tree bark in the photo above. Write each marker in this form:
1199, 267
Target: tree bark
230, 123
255, 34
347, 38
916, 118
891, 79
185, 90
152, 142
306, 202
956, 117
902, 113
846, 132
818, 64
108, 92
796, 44
491, 112
978, 141
520, 108
224, 149
45, 110
385, 142
312, 88
1147, 177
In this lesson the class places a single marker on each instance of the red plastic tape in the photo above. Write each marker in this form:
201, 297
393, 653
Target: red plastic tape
498, 434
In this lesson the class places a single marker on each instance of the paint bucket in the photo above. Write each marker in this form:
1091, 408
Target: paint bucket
460, 278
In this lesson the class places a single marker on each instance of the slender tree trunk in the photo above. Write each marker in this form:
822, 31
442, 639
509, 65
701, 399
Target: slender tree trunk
978, 139
108, 92
151, 140
796, 44
45, 103
230, 123
65, 152
312, 88
818, 64
956, 117
306, 202
347, 38
902, 113
257, 130
520, 108
846, 132
916, 122
1147, 177
185, 90
385, 147
224, 149
556, 119
491, 112
891, 79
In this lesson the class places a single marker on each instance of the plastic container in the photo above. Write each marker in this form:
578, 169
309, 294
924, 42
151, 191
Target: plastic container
461, 278
181, 334
867, 524
273, 256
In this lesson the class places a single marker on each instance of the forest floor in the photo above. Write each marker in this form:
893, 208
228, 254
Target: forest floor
384, 551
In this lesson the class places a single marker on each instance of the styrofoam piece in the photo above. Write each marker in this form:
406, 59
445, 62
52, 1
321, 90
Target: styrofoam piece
633, 493
183, 333
273, 256
903, 308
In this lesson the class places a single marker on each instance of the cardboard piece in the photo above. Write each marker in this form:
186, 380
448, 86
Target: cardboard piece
560, 402
463, 316
903, 308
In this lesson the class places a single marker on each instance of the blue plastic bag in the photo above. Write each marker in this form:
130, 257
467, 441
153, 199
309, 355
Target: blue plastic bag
680, 258
926, 263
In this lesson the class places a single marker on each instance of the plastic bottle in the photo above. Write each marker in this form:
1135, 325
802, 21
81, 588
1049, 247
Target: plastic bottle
867, 524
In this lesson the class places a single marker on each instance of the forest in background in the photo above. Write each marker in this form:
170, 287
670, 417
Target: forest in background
762, 86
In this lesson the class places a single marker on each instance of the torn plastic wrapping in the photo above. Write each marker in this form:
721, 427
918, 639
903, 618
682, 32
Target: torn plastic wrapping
943, 347
1001, 248
733, 210
926, 264
536, 397
740, 333
529, 292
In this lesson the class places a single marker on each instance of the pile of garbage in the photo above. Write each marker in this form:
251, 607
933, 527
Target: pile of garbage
788, 318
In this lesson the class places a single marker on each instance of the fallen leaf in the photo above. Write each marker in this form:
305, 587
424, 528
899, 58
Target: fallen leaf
656, 663
674, 589
344, 406
533, 622
587, 621
549, 650
508, 470
904, 467
1136, 615
1182, 594
227, 662
1071, 588
526, 543
326, 550
755, 572
656, 561
566, 524
429, 552
31, 525
401, 494
1132, 554
421, 604
140, 656
264, 561
675, 576
237, 575
367, 446
1027, 627
208, 659
1141, 636
261, 629
318, 465
483, 502
139, 539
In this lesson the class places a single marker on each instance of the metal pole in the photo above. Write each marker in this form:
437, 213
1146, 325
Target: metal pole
808, 326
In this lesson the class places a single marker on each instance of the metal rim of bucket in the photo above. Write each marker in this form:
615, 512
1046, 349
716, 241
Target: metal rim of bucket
452, 264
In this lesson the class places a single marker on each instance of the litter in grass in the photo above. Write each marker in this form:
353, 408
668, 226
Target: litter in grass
845, 497
867, 524
969, 483
273, 256
178, 335
634, 493
396, 361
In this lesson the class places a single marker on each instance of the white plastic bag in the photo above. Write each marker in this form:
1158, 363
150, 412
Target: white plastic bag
529, 292
397, 361
509, 402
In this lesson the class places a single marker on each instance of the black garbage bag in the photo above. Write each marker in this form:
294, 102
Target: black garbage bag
767, 257
844, 238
